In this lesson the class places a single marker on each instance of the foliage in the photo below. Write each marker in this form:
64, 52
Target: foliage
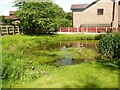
40, 17
110, 45
8, 21
69, 17
4, 20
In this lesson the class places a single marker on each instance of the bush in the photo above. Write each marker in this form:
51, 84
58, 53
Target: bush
110, 45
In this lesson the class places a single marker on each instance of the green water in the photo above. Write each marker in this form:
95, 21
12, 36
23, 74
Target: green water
72, 52
77, 52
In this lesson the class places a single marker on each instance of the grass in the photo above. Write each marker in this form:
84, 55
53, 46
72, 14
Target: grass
85, 75
25, 58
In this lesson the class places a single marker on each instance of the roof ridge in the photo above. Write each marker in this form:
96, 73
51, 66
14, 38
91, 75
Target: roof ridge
84, 7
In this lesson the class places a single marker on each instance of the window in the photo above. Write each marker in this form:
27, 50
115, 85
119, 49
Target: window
100, 11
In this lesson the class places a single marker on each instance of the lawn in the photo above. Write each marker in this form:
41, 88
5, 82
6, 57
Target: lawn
85, 75
25, 64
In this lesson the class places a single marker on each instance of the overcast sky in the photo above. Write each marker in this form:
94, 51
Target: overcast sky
7, 5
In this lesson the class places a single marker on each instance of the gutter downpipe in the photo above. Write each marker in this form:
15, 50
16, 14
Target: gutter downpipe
113, 15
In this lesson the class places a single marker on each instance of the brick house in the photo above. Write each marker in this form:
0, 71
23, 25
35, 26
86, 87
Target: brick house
8, 28
12, 17
98, 13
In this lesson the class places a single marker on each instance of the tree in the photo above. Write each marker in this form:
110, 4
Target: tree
39, 17
4, 20
69, 17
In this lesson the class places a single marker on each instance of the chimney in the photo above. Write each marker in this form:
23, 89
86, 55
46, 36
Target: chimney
11, 13
115, 14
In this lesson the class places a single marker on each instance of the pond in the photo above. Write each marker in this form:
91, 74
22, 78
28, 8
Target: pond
75, 52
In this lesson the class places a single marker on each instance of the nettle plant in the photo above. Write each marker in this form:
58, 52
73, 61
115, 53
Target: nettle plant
110, 45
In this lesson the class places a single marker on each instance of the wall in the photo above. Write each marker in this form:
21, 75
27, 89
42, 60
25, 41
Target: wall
89, 16
119, 14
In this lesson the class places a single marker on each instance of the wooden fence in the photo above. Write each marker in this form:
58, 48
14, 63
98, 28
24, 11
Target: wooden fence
86, 29
8, 30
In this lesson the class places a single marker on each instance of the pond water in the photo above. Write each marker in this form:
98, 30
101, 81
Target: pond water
67, 52
77, 52
67, 60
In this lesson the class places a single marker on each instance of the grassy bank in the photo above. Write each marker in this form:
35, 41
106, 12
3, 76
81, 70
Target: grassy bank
85, 75
24, 60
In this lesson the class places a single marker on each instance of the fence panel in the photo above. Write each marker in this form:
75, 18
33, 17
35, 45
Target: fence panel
79, 30
87, 29
92, 29
83, 29
8, 30
71, 29
75, 30
99, 29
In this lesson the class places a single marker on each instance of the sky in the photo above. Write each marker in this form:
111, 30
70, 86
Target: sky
7, 5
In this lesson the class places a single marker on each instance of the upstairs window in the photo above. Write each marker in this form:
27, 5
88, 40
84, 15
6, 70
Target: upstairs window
100, 11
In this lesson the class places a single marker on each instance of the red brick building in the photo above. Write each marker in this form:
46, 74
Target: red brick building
12, 17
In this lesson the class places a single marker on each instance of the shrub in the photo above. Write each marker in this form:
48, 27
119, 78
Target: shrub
110, 45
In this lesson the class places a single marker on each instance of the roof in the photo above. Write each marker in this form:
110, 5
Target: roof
82, 6
78, 6
11, 17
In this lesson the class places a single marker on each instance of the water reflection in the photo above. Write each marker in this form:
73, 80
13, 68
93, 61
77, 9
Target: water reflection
80, 44
67, 60
77, 47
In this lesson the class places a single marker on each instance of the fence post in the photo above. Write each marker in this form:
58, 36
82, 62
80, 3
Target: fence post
77, 29
13, 28
86, 29
106, 29
68, 29
7, 29
81, 29
18, 30
60, 29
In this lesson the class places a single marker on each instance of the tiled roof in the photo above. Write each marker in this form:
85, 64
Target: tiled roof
78, 6
11, 17
82, 6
